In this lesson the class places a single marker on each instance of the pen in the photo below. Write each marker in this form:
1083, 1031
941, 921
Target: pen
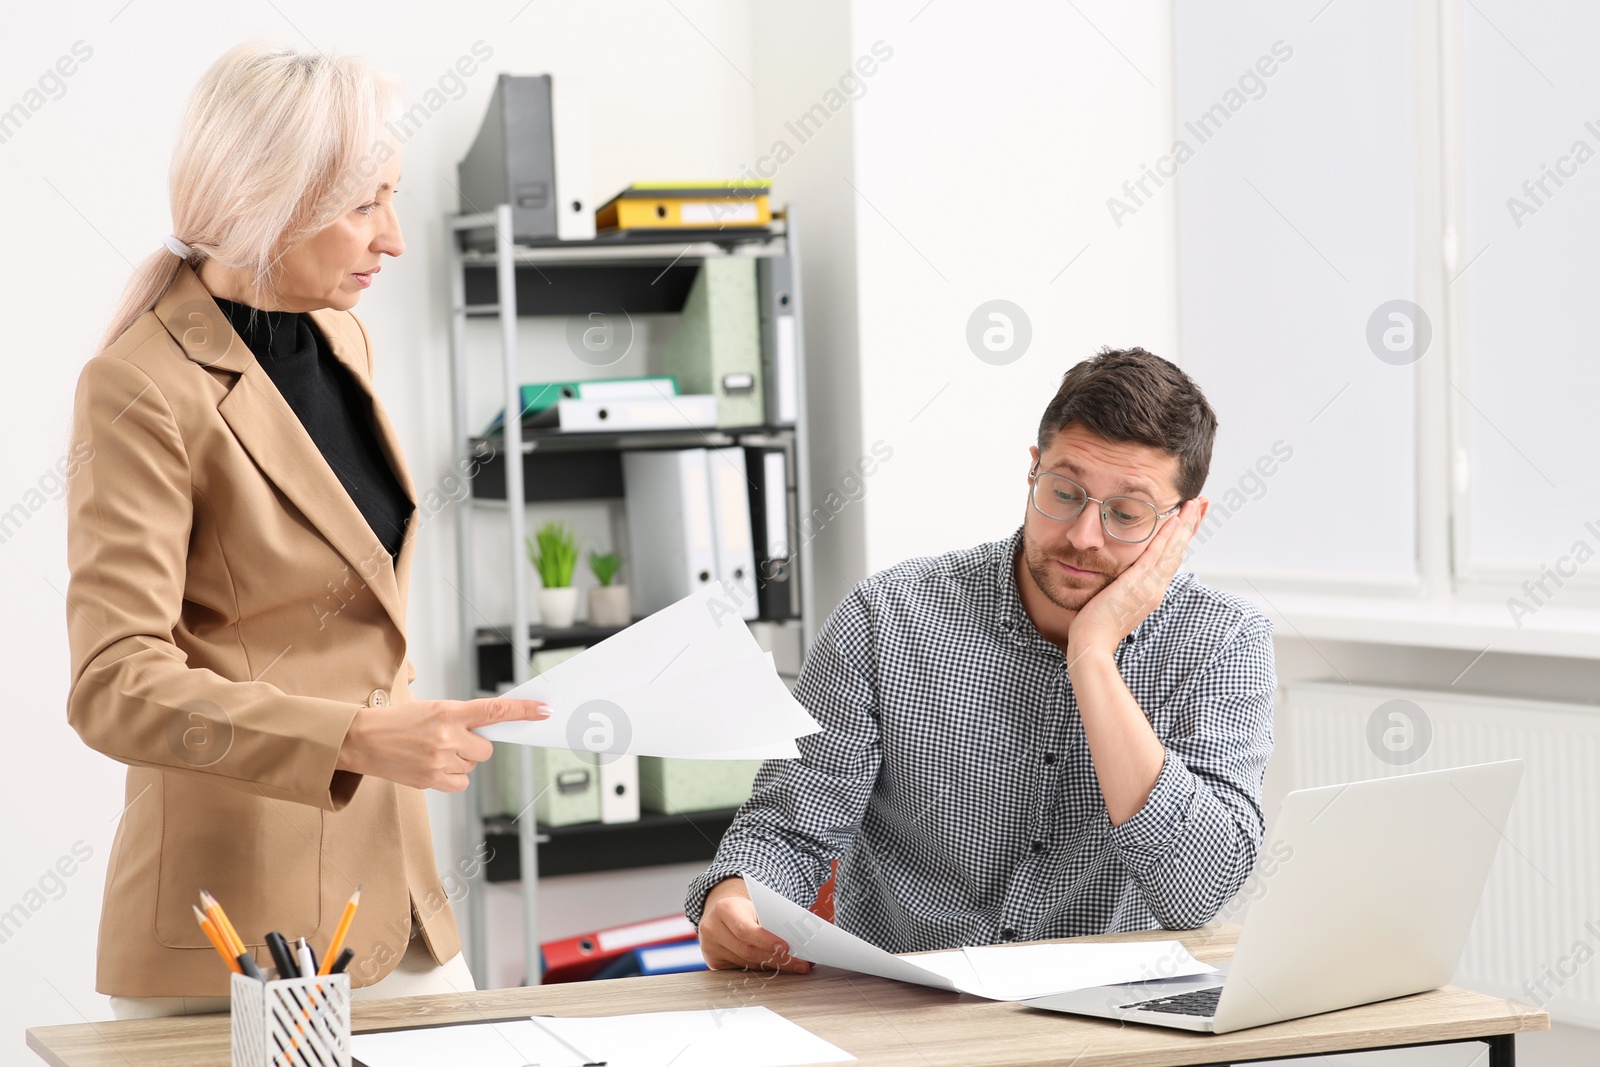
342, 931
343, 961
282, 957
215, 937
247, 966
308, 966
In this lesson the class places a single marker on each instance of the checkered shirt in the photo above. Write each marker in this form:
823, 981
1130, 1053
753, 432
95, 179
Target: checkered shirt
953, 782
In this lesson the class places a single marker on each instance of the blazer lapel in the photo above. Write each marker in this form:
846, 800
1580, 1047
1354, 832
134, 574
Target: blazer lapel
272, 433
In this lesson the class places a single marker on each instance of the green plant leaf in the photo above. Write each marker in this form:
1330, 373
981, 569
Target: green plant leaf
604, 565
553, 551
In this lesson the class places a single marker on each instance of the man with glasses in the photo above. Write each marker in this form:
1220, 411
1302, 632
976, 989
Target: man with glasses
1045, 736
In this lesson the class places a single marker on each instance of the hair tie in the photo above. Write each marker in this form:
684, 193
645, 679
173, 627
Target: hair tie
177, 247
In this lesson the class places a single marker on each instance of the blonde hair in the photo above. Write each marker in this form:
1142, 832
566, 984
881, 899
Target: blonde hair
275, 145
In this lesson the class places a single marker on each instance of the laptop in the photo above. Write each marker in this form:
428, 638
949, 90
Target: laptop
1369, 893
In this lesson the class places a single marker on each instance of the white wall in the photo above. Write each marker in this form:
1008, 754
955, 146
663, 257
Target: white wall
799, 60
966, 158
984, 155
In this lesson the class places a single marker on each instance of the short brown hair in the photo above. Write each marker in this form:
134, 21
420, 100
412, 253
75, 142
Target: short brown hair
1128, 394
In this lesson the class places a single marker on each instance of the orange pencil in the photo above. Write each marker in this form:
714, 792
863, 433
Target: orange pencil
339, 934
220, 918
215, 937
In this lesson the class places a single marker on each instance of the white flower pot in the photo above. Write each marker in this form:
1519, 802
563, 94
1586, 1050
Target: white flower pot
558, 607
610, 605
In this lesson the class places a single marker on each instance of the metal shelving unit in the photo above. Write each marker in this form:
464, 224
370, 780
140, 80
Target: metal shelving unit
559, 279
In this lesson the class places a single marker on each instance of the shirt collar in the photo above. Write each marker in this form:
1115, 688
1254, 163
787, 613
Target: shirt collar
1013, 621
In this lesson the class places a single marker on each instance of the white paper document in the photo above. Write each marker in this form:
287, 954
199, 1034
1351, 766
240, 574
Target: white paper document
733, 1037
996, 972
690, 681
1022, 972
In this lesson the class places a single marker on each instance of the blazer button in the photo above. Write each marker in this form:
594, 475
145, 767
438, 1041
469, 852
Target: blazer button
378, 699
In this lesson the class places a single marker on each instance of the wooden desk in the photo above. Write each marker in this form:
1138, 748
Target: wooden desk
882, 1023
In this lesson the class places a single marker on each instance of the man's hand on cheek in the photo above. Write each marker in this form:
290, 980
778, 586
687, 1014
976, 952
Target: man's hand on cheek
1116, 610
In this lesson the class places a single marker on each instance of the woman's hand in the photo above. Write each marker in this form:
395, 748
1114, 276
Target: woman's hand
428, 744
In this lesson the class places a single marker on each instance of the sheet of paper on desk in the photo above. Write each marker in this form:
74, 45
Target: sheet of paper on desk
996, 972
748, 1036
1021, 972
513, 1044
689, 681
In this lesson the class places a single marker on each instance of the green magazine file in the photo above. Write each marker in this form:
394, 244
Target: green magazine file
717, 348
678, 786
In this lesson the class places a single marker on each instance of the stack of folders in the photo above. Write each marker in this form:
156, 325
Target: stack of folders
700, 515
611, 404
574, 959
675, 958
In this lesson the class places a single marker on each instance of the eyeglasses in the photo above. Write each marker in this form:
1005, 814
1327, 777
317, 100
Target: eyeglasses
1124, 518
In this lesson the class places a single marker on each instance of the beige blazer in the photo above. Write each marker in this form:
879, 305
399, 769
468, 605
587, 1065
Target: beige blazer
229, 610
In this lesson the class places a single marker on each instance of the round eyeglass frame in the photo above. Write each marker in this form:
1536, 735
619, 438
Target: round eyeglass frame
1035, 474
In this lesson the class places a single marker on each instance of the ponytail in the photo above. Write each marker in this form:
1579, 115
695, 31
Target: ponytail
150, 282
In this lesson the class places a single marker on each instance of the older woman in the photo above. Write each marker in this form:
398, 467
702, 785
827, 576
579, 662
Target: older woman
240, 547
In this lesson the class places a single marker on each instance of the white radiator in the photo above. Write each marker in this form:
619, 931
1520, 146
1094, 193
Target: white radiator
1536, 938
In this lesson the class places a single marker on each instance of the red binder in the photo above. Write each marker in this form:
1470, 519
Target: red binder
574, 959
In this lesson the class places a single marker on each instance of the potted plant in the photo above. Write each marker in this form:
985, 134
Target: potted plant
608, 605
553, 550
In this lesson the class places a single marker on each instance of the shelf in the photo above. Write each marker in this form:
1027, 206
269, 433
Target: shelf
551, 636
622, 276
627, 247
653, 841
494, 650
627, 274
559, 466
537, 439
583, 288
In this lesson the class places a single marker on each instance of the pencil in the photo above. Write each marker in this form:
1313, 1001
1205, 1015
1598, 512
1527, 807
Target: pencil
341, 932
220, 917
215, 937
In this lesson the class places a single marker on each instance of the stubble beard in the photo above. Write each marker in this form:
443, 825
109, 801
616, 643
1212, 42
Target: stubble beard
1064, 593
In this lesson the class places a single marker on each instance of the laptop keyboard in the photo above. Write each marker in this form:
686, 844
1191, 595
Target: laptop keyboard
1201, 1002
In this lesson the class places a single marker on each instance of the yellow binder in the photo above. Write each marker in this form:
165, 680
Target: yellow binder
687, 206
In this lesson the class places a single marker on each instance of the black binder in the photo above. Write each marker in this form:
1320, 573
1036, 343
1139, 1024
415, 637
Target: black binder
773, 528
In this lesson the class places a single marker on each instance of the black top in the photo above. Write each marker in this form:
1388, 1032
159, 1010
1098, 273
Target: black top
332, 408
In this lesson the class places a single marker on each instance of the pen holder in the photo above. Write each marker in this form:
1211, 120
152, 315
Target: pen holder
292, 1022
